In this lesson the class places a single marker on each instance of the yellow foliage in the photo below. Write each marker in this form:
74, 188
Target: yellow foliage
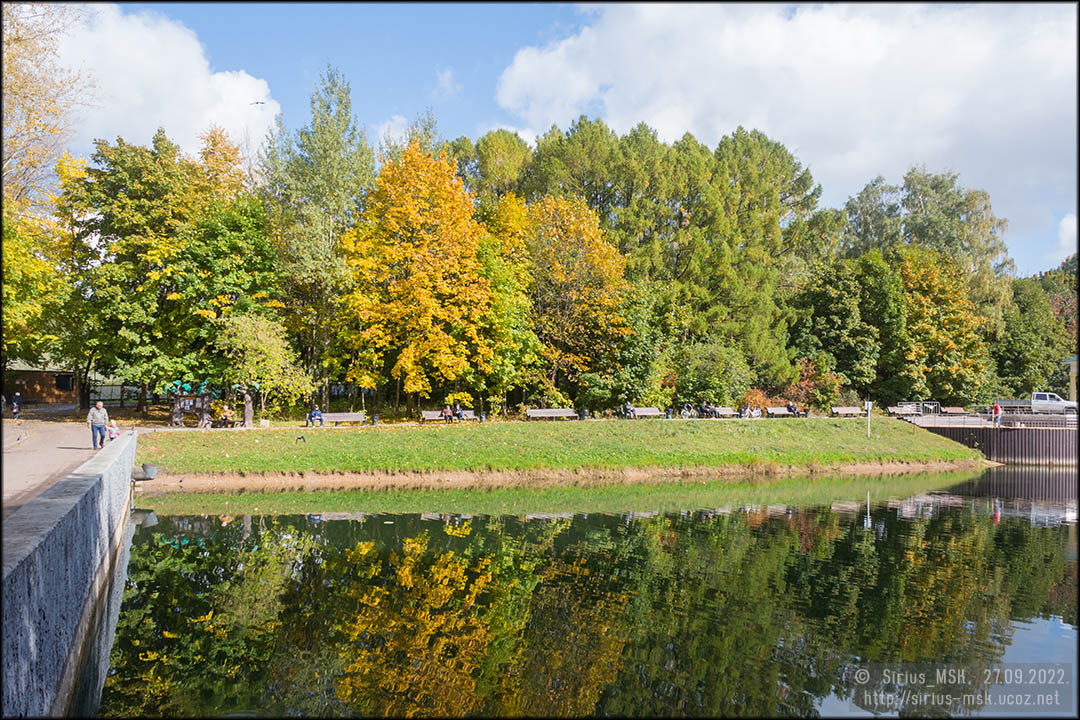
418, 284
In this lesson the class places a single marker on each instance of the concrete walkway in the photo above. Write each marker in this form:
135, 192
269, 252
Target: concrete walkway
37, 454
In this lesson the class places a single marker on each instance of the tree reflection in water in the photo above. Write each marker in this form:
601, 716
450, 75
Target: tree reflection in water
698, 613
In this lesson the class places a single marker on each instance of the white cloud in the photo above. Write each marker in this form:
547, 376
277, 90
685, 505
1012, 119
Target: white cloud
447, 87
152, 72
1066, 238
395, 128
986, 90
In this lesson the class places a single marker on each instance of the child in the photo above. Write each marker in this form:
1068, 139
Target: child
114, 432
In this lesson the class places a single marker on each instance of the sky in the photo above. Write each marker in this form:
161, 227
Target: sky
988, 91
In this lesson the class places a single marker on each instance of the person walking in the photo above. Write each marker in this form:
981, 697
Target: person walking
997, 414
96, 420
16, 403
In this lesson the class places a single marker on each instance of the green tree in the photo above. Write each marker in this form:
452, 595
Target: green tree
156, 246
1034, 342
314, 185
257, 354
832, 323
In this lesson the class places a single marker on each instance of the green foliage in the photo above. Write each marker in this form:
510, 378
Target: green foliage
1033, 344
712, 372
257, 353
314, 184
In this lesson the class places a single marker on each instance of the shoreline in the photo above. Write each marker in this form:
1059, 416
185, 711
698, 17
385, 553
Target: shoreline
238, 483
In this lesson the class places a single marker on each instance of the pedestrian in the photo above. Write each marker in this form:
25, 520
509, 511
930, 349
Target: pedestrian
96, 420
16, 403
997, 414
114, 432
314, 415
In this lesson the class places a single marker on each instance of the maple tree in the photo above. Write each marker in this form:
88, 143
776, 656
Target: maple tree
577, 287
419, 296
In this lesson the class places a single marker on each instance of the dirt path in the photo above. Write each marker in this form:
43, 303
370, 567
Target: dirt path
279, 482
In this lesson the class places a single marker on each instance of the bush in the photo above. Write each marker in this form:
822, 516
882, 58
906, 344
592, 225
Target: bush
711, 372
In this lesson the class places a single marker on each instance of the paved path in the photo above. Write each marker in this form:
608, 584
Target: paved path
37, 455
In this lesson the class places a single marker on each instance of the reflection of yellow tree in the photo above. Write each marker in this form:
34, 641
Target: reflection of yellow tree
416, 642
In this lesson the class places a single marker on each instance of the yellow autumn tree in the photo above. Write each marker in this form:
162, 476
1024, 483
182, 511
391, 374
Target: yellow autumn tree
419, 297
578, 284
39, 94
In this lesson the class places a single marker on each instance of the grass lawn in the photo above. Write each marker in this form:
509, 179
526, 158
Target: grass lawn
791, 490
546, 445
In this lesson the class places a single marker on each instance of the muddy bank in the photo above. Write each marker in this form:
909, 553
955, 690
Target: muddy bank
165, 483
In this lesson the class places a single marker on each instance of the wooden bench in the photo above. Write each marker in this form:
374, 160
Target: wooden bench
552, 413
340, 417
846, 411
648, 412
777, 412
953, 411
436, 415
903, 410
724, 412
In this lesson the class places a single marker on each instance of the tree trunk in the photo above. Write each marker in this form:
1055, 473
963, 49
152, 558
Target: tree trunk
84, 385
397, 395
249, 420
121, 394
142, 399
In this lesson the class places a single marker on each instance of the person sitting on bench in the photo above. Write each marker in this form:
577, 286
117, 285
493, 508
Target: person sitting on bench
628, 411
447, 415
457, 411
227, 416
314, 415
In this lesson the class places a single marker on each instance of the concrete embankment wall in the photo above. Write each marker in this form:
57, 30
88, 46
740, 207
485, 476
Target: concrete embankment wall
59, 552
1017, 445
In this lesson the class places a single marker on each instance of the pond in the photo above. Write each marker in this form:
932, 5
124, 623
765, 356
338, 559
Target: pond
966, 594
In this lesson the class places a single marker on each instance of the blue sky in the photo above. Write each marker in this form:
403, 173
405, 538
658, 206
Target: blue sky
987, 91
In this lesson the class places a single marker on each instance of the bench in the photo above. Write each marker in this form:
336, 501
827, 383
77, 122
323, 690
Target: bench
724, 412
552, 413
903, 410
436, 415
648, 412
340, 417
953, 411
846, 411
777, 412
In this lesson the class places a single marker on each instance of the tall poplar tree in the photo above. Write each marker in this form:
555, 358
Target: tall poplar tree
315, 181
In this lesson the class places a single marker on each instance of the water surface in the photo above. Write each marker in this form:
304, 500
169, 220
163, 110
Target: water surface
741, 610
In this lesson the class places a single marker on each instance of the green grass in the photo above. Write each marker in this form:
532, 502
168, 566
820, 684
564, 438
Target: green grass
556, 445
790, 490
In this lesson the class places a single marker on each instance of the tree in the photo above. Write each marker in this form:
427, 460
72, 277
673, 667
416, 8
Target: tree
932, 211
38, 97
833, 324
419, 297
948, 360
33, 290
1034, 342
501, 159
577, 287
873, 218
314, 189
156, 247
257, 355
